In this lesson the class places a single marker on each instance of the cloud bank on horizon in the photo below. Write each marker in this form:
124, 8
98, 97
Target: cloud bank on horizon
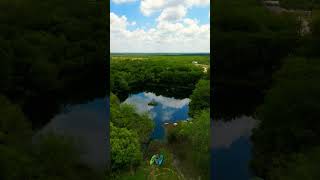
160, 26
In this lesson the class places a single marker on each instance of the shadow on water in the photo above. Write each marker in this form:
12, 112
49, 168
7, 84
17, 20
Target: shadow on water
233, 101
167, 90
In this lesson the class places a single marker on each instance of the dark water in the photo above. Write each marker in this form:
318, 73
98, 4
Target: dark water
166, 110
231, 148
88, 124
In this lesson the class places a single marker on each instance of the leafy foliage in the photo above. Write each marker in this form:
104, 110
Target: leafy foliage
294, 127
301, 165
14, 128
200, 97
53, 157
175, 76
52, 53
125, 148
125, 116
247, 50
165, 75
56, 52
128, 132
195, 134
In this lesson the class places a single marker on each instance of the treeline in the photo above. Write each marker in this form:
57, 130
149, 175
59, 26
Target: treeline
249, 44
286, 144
52, 53
171, 77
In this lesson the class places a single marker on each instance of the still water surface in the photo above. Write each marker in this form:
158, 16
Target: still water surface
166, 109
231, 148
86, 123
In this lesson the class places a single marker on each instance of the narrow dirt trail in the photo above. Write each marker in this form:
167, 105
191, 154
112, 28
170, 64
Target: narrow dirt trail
204, 67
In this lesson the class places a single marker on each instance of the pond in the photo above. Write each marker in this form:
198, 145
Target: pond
161, 110
231, 148
87, 123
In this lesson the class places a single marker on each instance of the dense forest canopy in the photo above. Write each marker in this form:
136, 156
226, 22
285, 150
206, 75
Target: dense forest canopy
178, 76
289, 131
272, 58
271, 62
249, 44
200, 97
52, 53
174, 76
289, 116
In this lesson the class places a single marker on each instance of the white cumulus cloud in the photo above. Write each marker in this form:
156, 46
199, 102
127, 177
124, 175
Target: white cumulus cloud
148, 7
186, 35
197, 2
117, 23
172, 13
123, 1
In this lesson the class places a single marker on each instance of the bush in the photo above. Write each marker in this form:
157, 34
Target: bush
125, 148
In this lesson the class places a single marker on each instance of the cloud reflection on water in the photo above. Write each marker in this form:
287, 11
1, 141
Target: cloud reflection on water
87, 124
169, 106
224, 133
166, 109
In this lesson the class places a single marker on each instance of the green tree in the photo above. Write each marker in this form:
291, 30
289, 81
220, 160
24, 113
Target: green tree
200, 98
14, 128
289, 115
300, 166
125, 116
125, 148
197, 134
58, 157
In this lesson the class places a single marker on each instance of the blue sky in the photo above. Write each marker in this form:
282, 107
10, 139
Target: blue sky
160, 26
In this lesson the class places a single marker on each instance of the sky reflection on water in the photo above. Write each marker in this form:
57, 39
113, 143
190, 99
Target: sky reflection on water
88, 124
166, 110
231, 148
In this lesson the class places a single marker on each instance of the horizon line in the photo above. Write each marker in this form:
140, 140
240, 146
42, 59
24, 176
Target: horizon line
160, 52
